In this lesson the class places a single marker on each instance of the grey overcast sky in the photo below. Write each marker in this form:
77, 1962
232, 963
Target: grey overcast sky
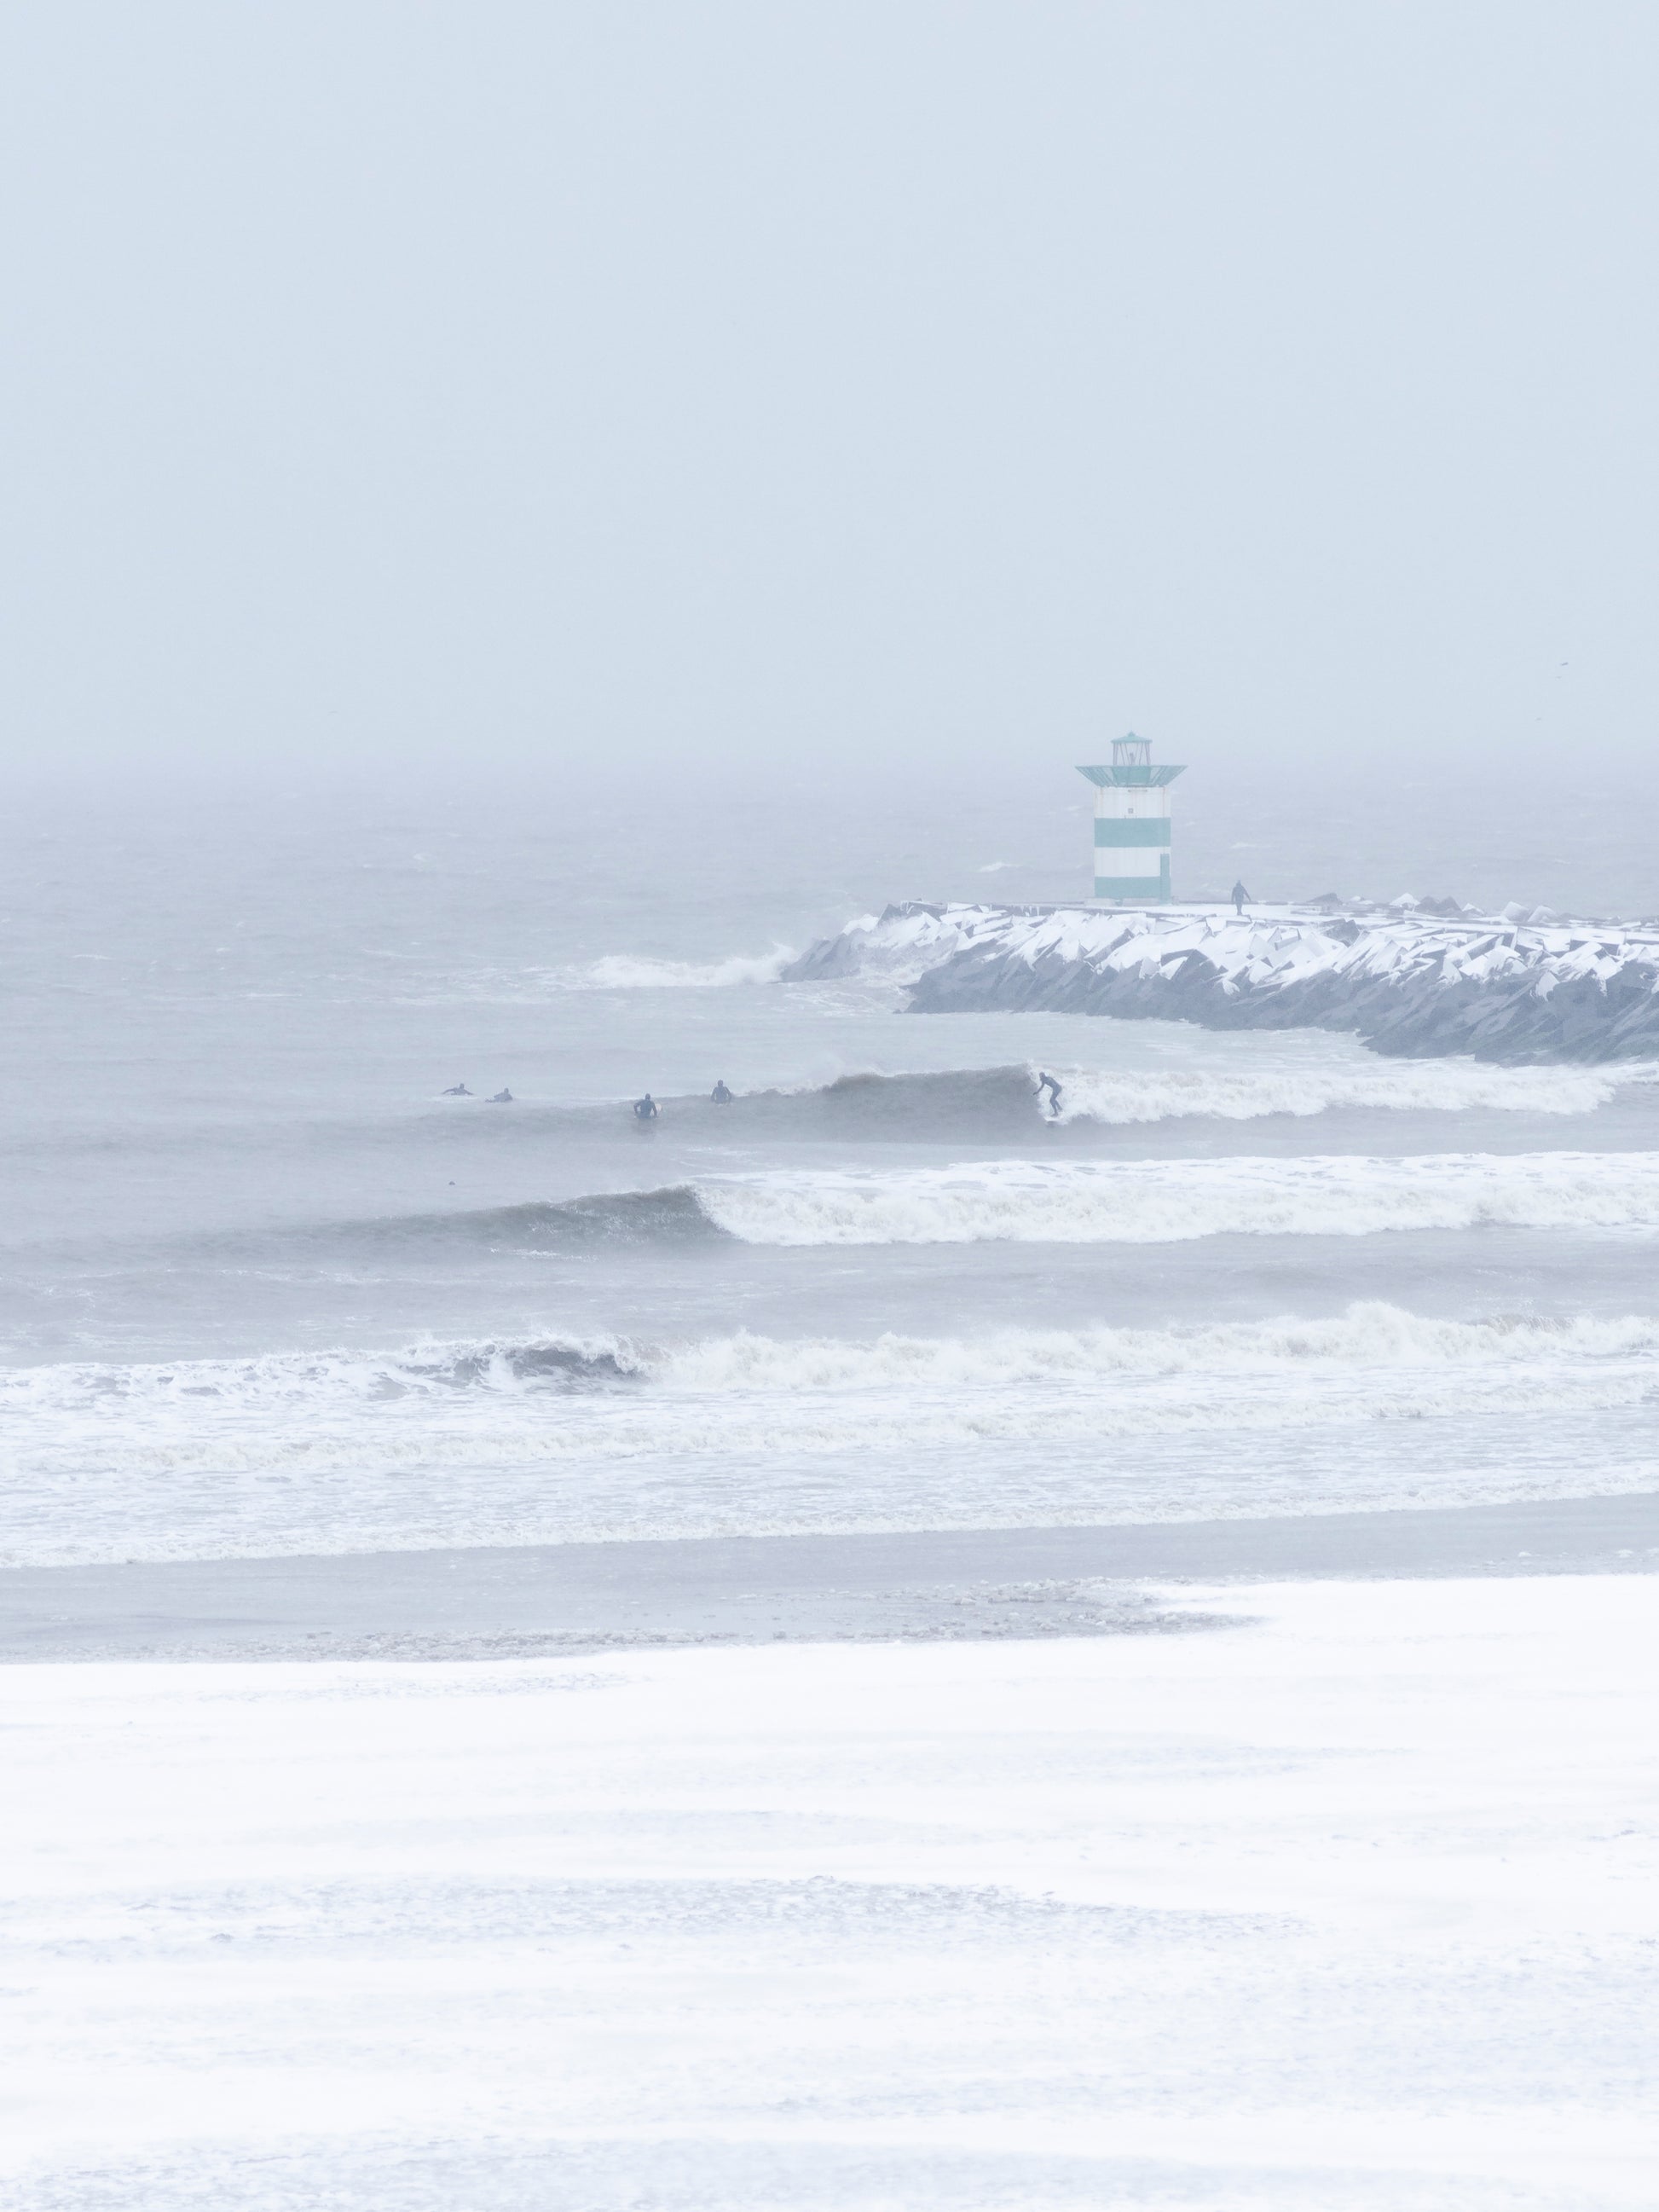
901, 382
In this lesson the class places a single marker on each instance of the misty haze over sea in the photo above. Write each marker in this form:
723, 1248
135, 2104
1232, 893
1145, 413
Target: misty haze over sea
268, 1290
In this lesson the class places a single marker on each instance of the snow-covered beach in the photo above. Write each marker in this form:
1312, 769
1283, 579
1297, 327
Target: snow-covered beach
1347, 1900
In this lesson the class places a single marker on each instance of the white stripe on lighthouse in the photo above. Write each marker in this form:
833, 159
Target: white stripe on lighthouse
1130, 861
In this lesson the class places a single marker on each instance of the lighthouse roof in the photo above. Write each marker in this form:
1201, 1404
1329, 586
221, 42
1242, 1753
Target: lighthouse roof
1141, 775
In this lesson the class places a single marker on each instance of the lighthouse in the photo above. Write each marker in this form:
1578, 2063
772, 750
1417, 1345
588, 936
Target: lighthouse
1131, 823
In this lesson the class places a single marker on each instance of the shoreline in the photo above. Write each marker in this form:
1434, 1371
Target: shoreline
925, 1585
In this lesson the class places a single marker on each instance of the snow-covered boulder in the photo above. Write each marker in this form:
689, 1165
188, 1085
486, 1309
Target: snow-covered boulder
1520, 986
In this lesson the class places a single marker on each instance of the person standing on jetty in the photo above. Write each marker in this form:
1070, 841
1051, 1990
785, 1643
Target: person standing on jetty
1241, 897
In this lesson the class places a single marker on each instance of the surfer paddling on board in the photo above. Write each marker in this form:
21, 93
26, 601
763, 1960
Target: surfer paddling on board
456, 1091
645, 1109
1046, 1082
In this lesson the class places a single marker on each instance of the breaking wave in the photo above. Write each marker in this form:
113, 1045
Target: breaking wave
629, 971
1002, 1103
551, 1438
1077, 1202
1370, 1334
1424, 1086
278, 1382
1167, 1201
992, 1102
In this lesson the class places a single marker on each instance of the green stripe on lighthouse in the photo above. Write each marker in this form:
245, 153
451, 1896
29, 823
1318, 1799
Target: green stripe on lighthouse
1125, 831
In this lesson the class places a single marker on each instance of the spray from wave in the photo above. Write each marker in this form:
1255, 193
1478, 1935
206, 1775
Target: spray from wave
1427, 1086
628, 971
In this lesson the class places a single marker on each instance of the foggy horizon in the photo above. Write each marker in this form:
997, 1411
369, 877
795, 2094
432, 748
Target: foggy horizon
887, 395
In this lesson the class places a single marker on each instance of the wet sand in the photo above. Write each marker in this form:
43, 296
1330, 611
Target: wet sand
927, 1584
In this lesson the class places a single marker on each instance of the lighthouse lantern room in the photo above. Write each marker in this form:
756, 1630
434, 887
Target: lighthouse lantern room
1132, 823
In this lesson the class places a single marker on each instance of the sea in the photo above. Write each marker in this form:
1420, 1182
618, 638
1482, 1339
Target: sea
269, 1287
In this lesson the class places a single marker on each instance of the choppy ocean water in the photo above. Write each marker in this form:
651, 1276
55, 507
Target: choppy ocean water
266, 1290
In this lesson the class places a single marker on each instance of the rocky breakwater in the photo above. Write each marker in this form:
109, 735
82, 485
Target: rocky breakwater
1405, 979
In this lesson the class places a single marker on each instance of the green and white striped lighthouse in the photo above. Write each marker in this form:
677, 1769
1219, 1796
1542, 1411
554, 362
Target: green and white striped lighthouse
1131, 823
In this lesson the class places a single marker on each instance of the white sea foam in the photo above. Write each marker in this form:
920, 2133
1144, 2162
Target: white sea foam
1371, 1335
626, 971
489, 1443
1168, 1202
1402, 1086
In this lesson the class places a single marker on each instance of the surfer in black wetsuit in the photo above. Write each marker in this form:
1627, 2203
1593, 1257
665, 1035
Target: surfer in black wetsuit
645, 1109
720, 1094
1046, 1082
456, 1091
501, 1098
1241, 897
